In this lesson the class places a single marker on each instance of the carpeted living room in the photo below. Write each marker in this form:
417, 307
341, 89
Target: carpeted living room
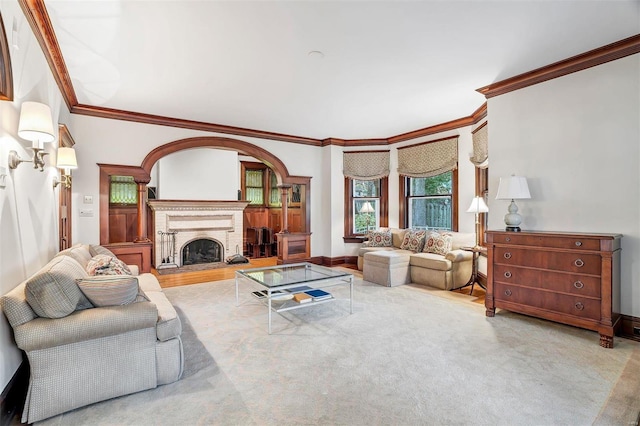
319, 212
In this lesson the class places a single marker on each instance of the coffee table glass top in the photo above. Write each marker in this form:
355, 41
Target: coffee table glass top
297, 273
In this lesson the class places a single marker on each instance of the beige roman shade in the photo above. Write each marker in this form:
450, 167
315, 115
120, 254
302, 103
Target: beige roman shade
480, 156
366, 165
428, 159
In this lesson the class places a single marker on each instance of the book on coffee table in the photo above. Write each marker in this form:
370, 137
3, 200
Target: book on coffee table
302, 298
318, 294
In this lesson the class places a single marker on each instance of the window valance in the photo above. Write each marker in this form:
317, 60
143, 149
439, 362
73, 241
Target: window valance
366, 165
428, 159
480, 155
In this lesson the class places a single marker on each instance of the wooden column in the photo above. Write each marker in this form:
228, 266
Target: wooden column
142, 213
284, 198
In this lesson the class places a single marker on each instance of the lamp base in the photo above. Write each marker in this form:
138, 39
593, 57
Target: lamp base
513, 229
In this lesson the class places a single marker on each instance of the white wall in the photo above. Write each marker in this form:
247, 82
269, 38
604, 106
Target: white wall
198, 174
28, 202
576, 139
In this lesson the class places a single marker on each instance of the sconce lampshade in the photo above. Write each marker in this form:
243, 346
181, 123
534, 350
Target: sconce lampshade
35, 122
478, 206
67, 158
513, 188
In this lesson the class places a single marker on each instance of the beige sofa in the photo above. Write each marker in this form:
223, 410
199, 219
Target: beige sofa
92, 353
449, 271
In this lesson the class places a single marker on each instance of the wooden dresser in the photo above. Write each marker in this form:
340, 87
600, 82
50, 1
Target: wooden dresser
564, 277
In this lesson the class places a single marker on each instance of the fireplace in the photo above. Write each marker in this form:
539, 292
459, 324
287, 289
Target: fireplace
214, 227
202, 250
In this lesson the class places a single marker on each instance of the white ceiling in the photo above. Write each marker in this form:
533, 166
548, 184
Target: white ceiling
389, 67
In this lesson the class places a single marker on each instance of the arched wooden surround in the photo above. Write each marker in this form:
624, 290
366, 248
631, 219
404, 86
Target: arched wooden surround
142, 175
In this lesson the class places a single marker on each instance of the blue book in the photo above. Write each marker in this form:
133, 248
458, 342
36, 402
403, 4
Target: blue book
318, 294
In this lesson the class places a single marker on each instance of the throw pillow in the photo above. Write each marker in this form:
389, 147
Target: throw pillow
111, 290
104, 264
438, 243
413, 240
53, 292
379, 238
95, 250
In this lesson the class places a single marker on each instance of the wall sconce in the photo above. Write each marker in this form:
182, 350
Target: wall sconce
66, 161
35, 126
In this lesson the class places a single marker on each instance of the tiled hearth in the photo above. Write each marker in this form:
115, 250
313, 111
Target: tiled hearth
192, 220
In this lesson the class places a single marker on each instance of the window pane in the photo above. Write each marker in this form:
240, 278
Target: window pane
366, 188
430, 213
435, 185
123, 190
363, 221
254, 186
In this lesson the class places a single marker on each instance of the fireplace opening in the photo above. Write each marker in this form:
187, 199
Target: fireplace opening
203, 250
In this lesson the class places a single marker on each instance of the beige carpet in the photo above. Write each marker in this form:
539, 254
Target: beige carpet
408, 355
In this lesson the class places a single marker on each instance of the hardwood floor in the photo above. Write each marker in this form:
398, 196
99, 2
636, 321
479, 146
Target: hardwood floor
195, 277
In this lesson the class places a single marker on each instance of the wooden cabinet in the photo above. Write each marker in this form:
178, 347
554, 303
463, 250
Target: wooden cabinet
564, 277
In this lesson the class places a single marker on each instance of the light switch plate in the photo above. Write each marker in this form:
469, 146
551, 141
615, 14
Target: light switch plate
86, 212
88, 199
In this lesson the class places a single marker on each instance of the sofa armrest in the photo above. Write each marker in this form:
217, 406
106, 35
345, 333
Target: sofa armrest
135, 271
87, 324
459, 255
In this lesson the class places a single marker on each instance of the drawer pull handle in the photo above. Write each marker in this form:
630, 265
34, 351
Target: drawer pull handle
507, 292
579, 306
507, 255
578, 243
578, 284
507, 274
508, 239
579, 263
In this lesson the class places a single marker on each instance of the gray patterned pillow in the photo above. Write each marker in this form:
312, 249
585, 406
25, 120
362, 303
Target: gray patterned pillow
95, 250
52, 292
111, 290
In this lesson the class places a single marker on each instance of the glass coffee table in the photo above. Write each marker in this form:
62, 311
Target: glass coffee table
294, 286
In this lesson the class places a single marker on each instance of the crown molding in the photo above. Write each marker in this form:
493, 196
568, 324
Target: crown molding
354, 142
64, 136
38, 18
592, 58
116, 114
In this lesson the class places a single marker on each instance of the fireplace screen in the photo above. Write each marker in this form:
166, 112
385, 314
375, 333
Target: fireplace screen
202, 251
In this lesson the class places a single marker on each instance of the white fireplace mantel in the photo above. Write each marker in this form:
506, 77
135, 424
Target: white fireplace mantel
194, 219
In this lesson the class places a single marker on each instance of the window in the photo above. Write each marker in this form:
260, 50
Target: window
123, 190
366, 207
253, 182
430, 203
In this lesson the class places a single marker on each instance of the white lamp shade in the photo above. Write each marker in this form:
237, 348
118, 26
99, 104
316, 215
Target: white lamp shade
66, 158
513, 188
35, 122
478, 206
367, 208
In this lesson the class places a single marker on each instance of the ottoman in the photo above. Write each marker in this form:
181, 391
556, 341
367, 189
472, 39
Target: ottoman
388, 268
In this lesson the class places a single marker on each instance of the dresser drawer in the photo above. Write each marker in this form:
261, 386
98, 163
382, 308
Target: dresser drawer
580, 285
573, 243
570, 262
561, 303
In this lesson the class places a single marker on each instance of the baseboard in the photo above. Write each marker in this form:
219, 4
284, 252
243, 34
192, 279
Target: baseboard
14, 394
627, 328
340, 260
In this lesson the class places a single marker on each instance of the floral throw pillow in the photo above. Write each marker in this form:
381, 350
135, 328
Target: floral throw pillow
413, 240
379, 238
438, 243
104, 264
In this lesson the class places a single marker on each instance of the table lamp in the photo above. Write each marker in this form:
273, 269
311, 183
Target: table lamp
367, 208
513, 188
478, 206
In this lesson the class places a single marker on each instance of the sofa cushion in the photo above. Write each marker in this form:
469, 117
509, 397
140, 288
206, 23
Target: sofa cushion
379, 238
80, 253
462, 239
389, 258
430, 261
111, 290
397, 236
95, 250
438, 243
52, 292
413, 240
103, 264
